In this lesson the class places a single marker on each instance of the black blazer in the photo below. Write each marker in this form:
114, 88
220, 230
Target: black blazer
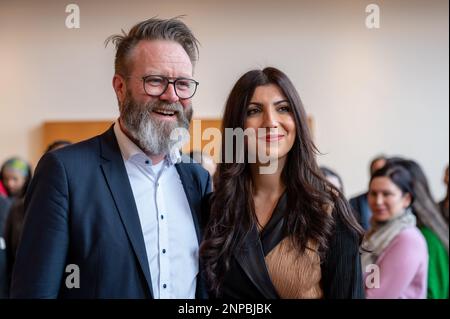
80, 210
248, 277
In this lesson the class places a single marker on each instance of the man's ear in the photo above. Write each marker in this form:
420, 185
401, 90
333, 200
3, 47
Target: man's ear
120, 87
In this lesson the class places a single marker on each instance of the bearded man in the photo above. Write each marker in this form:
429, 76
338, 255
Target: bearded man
119, 215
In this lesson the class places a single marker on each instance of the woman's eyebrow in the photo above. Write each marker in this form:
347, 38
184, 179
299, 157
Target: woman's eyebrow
275, 103
281, 101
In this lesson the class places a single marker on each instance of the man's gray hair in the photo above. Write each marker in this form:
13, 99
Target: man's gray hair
152, 29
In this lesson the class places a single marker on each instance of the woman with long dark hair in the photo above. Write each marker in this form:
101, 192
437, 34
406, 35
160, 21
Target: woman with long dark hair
284, 232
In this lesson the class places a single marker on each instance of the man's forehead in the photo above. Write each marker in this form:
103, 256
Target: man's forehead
161, 51
161, 54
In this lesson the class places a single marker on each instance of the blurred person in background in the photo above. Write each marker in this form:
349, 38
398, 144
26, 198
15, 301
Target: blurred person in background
2, 190
16, 217
56, 145
444, 204
393, 243
360, 203
4, 282
15, 175
333, 178
433, 227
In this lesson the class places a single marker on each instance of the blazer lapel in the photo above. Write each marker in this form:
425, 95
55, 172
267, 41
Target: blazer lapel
119, 185
251, 258
275, 231
192, 195
257, 246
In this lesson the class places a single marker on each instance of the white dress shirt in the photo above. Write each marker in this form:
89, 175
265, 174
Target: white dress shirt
166, 221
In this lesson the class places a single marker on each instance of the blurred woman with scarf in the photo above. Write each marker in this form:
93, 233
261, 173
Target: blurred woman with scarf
395, 256
433, 227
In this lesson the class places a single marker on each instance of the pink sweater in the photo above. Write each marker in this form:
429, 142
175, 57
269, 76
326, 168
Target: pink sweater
403, 268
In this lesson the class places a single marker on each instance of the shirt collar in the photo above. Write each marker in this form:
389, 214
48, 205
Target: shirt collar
130, 150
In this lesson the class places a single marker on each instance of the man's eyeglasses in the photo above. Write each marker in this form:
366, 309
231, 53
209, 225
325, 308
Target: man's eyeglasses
156, 85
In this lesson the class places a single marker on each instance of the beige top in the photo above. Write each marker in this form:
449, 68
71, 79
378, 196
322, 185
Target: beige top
295, 275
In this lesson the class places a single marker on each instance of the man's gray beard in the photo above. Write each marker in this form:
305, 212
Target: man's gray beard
153, 135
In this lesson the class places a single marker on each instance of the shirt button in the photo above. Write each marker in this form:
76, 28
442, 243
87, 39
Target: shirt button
162, 216
163, 251
164, 286
147, 162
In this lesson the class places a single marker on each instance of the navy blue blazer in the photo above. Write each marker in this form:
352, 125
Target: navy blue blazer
80, 210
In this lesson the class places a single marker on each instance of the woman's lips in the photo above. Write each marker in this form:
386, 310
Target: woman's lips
380, 210
272, 138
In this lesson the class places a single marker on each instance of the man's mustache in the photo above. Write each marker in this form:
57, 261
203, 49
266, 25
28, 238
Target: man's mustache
174, 107
183, 114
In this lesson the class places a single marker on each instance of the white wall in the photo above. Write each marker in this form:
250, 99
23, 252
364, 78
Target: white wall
370, 91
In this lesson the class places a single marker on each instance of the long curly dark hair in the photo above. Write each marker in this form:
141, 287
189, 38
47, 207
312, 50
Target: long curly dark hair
309, 195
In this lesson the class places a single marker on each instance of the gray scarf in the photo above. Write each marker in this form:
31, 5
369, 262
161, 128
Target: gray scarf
381, 235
